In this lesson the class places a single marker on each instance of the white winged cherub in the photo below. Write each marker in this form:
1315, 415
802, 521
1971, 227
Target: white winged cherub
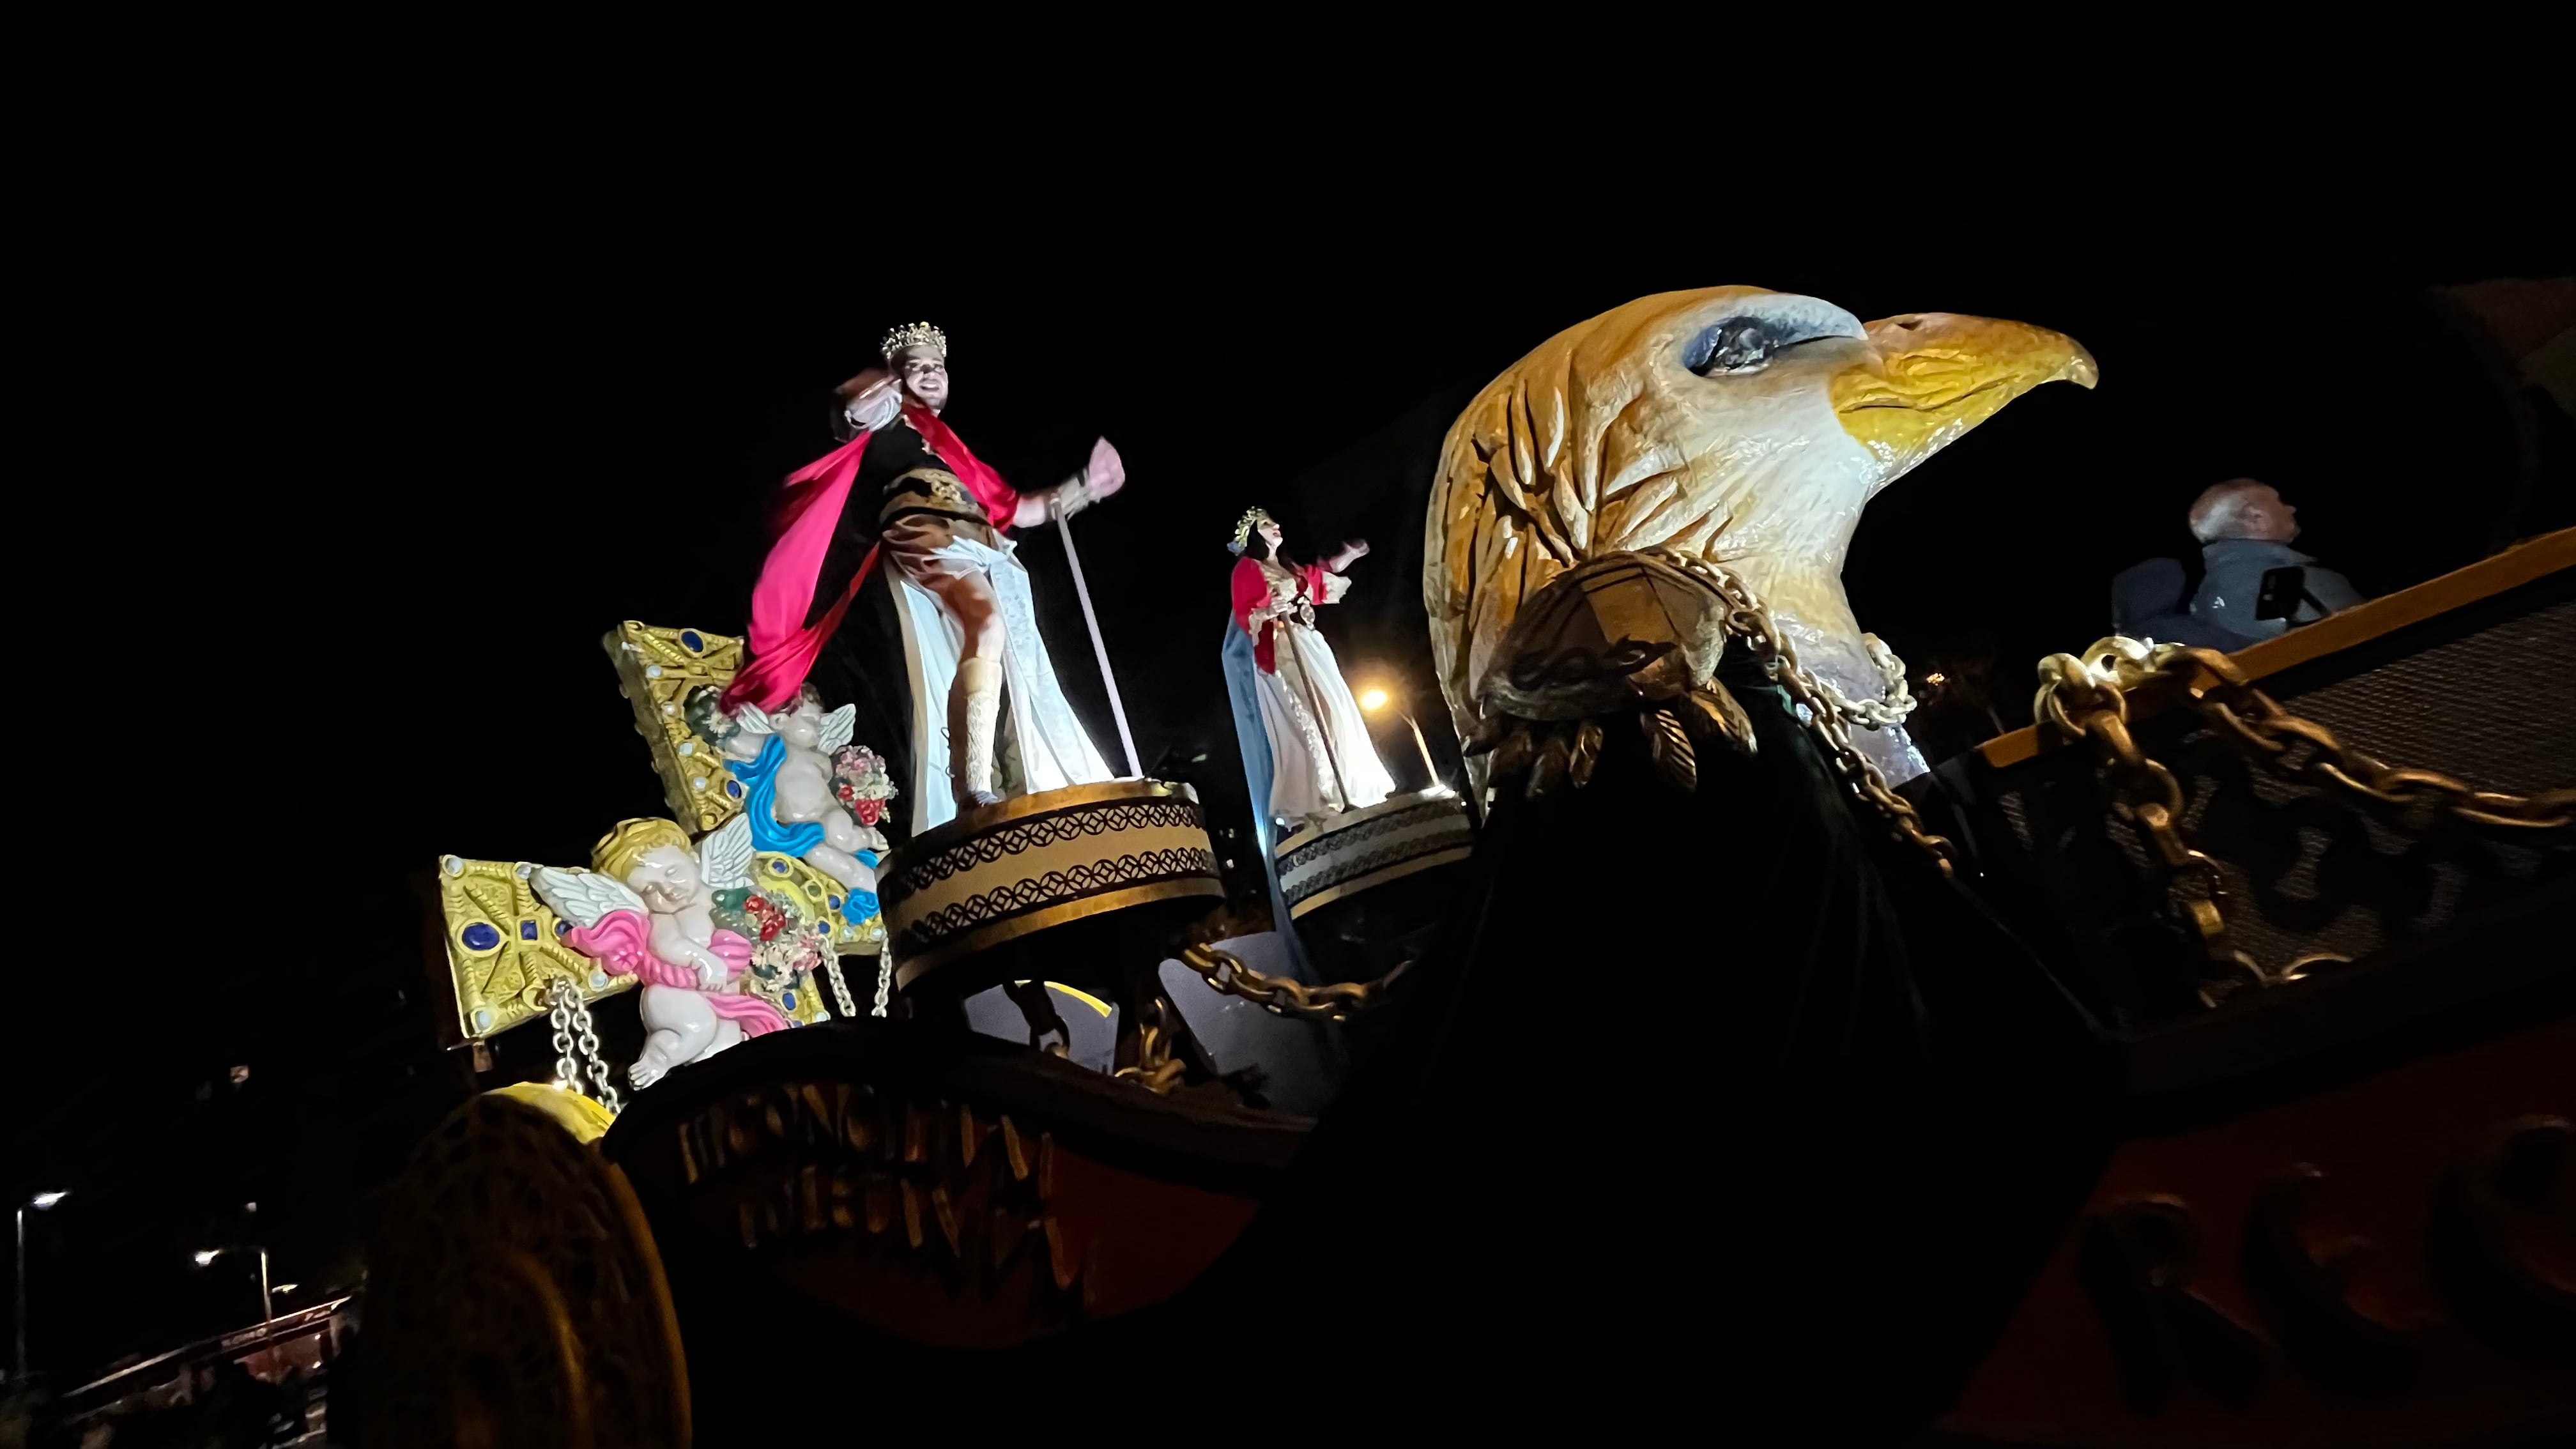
644, 909
784, 762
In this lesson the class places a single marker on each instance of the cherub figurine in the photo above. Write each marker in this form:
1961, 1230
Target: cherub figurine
644, 909
785, 762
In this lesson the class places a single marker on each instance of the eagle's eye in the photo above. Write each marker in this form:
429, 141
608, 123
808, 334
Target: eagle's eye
1738, 344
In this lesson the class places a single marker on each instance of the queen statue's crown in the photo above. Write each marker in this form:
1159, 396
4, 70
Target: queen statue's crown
913, 334
1252, 518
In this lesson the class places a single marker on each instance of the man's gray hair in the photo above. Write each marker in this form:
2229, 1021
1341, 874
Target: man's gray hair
2220, 511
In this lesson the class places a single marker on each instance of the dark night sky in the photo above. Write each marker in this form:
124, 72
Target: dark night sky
521, 372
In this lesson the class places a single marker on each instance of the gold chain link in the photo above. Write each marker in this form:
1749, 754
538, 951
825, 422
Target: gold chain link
2087, 697
1825, 713
1337, 1001
1156, 1069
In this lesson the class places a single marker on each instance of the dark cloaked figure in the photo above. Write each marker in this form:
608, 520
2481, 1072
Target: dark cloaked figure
1826, 1122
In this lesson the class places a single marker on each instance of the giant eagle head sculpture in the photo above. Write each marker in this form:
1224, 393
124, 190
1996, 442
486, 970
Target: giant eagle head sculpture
1731, 424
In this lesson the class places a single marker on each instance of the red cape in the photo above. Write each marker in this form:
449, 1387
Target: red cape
783, 646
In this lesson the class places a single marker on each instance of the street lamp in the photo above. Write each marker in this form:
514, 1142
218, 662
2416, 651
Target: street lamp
39, 1202
267, 1318
1373, 699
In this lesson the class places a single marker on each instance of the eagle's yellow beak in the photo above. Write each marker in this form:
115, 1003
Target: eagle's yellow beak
1934, 375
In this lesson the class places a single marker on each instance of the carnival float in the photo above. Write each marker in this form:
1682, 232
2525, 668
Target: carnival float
2188, 1069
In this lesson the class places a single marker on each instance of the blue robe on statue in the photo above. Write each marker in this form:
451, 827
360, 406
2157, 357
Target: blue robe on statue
1241, 688
759, 778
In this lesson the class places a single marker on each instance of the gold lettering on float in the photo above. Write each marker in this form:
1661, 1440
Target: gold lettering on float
799, 1164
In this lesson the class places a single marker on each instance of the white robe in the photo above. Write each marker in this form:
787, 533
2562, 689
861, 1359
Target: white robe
1320, 741
1054, 749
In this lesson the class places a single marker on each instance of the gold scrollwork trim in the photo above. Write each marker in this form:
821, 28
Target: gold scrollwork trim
911, 968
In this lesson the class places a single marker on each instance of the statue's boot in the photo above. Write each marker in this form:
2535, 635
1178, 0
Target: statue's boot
974, 703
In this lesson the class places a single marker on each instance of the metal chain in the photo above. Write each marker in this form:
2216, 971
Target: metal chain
1828, 716
2146, 794
2086, 697
1156, 1070
2273, 735
2219, 689
559, 1000
840, 988
570, 1017
605, 1091
885, 974
1896, 700
1223, 972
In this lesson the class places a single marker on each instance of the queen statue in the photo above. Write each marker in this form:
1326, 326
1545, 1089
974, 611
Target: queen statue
1319, 756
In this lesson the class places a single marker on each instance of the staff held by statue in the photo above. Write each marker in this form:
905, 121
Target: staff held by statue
1064, 510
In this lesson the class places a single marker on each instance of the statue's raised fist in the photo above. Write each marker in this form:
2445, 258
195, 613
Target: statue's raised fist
1105, 473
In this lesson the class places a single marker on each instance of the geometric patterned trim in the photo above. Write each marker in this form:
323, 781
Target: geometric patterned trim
1055, 888
1034, 833
1317, 900
1360, 863
1341, 840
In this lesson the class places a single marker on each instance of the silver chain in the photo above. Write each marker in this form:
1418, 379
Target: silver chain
567, 1071
569, 1015
840, 988
885, 973
605, 1090
1895, 701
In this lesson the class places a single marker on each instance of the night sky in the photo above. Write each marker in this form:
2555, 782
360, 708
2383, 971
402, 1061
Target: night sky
410, 416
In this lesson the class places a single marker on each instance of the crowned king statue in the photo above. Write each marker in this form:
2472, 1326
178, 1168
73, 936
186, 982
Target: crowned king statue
903, 486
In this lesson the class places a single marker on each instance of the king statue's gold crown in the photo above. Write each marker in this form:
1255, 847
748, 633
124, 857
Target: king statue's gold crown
913, 334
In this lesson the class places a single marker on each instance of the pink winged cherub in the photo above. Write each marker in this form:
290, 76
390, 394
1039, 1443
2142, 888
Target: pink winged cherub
645, 910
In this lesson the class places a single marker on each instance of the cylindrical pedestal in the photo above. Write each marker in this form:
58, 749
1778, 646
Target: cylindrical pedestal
1364, 849
1038, 863
1365, 887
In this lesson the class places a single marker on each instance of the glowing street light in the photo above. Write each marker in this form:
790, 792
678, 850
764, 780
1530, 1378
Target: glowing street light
1374, 698
267, 1314
39, 1202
